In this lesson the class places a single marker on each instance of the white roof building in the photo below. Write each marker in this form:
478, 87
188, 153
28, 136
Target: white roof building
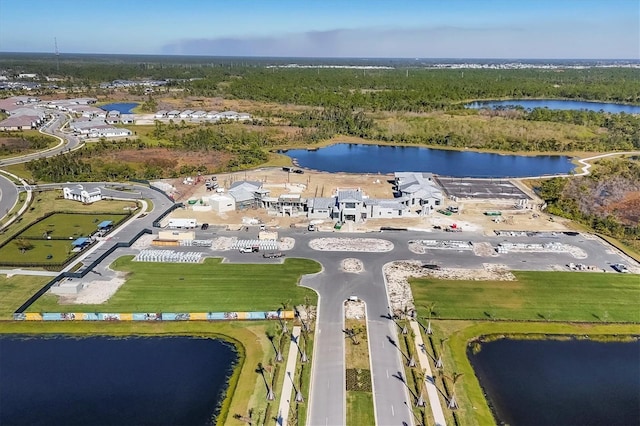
78, 193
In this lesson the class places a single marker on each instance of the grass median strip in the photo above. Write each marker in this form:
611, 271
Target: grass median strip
359, 394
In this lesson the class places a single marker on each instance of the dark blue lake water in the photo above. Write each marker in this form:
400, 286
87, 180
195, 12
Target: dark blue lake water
533, 382
362, 158
122, 107
109, 381
558, 104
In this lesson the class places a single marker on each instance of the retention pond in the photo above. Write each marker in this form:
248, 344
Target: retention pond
112, 381
554, 382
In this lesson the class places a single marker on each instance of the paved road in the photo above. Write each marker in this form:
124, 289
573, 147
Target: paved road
8, 195
289, 379
68, 142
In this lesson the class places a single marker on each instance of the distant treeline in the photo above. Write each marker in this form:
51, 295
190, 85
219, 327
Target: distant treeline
401, 89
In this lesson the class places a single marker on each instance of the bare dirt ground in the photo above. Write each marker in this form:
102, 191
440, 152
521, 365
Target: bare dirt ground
95, 292
470, 218
399, 291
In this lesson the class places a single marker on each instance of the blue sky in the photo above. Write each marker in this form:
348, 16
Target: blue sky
604, 29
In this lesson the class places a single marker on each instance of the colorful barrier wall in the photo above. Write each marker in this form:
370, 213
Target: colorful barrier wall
153, 316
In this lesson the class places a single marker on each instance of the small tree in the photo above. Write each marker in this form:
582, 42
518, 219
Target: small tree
453, 403
23, 245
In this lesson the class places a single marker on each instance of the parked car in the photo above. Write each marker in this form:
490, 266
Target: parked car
620, 268
246, 250
311, 227
204, 226
298, 171
286, 169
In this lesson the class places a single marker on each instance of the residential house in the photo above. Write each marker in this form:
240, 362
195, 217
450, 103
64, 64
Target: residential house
78, 193
350, 205
418, 190
320, 207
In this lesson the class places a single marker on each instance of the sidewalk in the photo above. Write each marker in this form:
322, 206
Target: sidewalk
432, 391
289, 378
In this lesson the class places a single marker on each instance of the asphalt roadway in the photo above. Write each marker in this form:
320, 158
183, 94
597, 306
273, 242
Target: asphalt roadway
8, 195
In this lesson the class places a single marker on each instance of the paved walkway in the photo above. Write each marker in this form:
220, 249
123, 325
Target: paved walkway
432, 391
289, 378
28, 272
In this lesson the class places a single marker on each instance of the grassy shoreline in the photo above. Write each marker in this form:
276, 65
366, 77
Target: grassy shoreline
242, 389
474, 408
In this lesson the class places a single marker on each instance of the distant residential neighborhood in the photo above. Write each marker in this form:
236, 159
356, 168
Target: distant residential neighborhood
90, 121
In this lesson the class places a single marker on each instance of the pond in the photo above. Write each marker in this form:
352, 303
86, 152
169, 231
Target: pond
364, 158
552, 382
122, 107
112, 381
558, 104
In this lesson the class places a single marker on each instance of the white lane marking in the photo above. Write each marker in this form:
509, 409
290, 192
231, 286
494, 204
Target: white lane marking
392, 412
387, 374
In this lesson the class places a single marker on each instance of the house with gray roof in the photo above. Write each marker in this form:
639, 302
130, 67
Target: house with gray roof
418, 190
321, 207
247, 193
350, 205
383, 208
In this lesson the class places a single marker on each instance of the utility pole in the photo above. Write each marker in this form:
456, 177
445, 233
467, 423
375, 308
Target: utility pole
55, 42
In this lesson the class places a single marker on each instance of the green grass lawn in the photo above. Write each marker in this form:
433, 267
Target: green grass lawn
540, 296
208, 287
60, 225
59, 250
14, 291
361, 408
65, 225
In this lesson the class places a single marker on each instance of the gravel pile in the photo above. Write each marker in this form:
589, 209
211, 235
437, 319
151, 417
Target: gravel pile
397, 275
354, 310
352, 265
351, 244
223, 243
484, 249
286, 243
554, 247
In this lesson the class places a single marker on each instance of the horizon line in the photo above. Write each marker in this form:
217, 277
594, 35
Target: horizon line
321, 57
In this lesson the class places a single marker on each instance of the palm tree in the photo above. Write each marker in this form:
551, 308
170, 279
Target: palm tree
421, 376
453, 404
303, 355
275, 342
261, 369
439, 363
430, 307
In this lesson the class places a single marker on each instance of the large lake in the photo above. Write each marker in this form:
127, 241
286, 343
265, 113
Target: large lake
110, 381
363, 158
122, 107
550, 382
558, 104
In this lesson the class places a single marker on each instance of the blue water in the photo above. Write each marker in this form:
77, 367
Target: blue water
558, 104
550, 382
123, 107
362, 158
109, 381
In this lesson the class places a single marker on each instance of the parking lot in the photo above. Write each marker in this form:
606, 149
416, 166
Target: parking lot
481, 188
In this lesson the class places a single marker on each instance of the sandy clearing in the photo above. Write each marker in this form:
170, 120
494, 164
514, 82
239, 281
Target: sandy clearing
351, 244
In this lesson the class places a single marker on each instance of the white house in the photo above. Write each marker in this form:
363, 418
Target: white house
108, 132
320, 207
418, 189
350, 205
161, 114
384, 208
127, 118
211, 115
186, 114
78, 193
198, 114
173, 114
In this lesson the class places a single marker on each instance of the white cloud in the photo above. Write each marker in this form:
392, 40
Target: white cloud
435, 42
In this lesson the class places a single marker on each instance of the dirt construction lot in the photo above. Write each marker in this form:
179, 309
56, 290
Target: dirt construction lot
470, 217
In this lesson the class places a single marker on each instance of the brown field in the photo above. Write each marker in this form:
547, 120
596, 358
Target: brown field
169, 158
